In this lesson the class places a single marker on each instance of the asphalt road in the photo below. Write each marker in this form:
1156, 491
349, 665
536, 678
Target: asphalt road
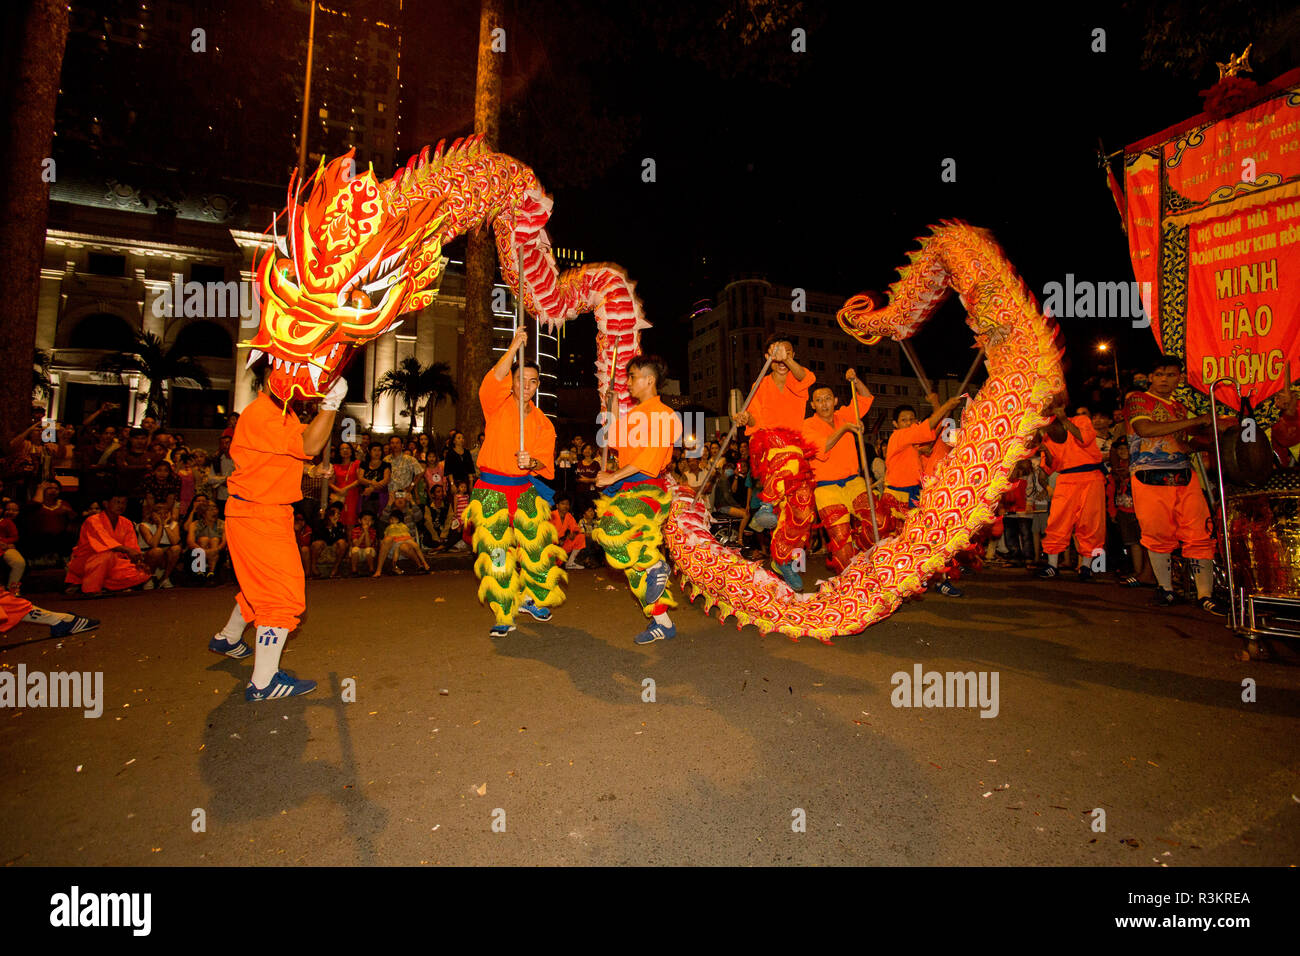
540, 749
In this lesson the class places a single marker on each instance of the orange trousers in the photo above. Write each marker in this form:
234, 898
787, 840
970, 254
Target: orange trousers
264, 551
104, 571
1078, 508
12, 610
1170, 515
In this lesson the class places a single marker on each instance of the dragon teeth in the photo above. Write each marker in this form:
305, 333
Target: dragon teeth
253, 356
314, 373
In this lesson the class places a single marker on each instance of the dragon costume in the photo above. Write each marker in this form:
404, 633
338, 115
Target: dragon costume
956, 502
360, 252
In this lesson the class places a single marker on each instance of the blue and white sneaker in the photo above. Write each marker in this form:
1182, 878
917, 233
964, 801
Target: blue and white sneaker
538, 613
788, 572
948, 589
238, 650
656, 632
500, 630
656, 582
282, 685
75, 626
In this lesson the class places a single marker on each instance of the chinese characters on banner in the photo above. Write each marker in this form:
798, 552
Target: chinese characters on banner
1213, 219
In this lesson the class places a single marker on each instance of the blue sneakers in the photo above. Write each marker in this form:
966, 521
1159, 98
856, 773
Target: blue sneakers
791, 577
282, 685
656, 632
948, 589
538, 613
500, 630
75, 626
239, 650
656, 582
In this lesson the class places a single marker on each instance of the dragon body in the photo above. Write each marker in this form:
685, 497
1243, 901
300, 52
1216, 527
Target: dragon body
358, 253
961, 497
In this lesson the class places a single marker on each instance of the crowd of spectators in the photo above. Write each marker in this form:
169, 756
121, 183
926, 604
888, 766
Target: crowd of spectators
157, 502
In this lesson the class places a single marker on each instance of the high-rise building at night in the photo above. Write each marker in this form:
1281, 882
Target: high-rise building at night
726, 350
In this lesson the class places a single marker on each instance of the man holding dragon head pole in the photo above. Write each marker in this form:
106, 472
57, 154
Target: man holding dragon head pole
270, 448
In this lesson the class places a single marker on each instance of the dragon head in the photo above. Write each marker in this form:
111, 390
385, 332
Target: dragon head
347, 269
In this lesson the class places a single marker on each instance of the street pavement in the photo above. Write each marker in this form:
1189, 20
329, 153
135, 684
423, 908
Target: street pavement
545, 747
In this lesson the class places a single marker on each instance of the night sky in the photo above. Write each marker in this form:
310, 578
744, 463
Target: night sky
816, 169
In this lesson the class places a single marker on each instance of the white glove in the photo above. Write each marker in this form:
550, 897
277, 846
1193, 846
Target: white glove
334, 397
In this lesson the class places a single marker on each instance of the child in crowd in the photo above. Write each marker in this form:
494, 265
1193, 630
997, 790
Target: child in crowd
365, 543
9, 546
458, 524
398, 542
302, 534
572, 539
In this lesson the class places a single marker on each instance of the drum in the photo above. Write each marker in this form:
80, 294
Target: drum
1264, 525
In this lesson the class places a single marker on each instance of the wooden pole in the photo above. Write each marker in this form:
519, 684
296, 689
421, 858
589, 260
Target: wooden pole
306, 94
866, 466
519, 322
611, 400
965, 382
713, 465
906, 346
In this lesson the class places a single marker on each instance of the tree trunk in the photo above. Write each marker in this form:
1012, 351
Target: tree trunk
33, 60
480, 256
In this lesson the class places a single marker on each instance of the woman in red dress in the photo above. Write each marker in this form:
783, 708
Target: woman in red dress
345, 487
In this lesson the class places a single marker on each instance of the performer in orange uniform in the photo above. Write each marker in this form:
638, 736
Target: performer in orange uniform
903, 465
636, 502
15, 610
519, 562
840, 491
1167, 496
1079, 501
269, 449
107, 555
775, 425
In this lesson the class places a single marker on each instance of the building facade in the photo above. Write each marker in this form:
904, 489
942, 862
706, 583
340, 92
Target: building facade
726, 350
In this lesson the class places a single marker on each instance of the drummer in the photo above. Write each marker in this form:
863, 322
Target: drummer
1167, 496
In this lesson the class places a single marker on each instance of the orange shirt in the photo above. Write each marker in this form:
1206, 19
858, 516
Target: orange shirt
842, 460
565, 526
903, 458
268, 454
98, 535
500, 448
1071, 453
774, 407
930, 463
645, 437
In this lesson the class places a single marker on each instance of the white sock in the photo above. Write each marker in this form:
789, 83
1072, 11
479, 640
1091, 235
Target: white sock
1160, 567
1203, 571
664, 619
1053, 559
266, 659
234, 628
49, 618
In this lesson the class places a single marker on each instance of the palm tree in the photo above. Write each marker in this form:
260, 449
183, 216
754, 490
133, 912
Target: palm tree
41, 384
159, 366
413, 381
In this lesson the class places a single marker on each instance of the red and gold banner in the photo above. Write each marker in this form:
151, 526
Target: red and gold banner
1213, 221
